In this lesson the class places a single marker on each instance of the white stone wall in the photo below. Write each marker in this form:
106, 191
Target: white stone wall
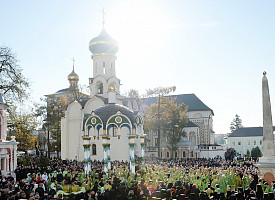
242, 144
212, 153
72, 140
92, 105
101, 61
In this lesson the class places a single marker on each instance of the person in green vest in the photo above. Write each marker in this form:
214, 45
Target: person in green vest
199, 183
66, 188
75, 188
262, 182
267, 188
218, 189
87, 185
246, 181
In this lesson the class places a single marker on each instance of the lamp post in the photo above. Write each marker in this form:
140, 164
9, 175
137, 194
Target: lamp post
159, 127
47, 128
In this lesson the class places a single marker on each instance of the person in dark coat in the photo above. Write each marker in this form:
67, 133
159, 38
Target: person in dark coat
59, 177
40, 190
253, 183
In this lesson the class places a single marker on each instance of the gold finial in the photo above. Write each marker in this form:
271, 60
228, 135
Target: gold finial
103, 16
73, 62
264, 73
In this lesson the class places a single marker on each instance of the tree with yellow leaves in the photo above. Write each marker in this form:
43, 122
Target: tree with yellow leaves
22, 125
170, 118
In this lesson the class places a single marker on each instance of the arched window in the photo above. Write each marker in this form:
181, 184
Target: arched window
100, 88
94, 149
183, 154
192, 137
167, 154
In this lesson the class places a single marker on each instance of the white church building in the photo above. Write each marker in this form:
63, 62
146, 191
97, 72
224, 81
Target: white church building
107, 126
101, 127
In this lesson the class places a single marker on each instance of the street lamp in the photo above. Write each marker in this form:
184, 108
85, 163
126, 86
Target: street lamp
47, 127
158, 126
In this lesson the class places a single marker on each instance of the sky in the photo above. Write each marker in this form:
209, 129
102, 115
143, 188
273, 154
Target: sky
216, 49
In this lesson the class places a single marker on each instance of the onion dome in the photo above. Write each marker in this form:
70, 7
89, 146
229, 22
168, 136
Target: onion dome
106, 111
103, 43
73, 76
111, 88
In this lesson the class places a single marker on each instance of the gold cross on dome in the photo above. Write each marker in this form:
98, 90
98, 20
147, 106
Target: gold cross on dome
103, 16
73, 62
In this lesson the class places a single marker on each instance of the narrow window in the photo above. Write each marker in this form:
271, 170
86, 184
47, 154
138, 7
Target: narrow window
167, 154
94, 149
100, 88
104, 68
114, 130
156, 142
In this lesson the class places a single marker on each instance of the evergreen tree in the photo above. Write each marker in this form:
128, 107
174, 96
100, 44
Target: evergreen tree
256, 152
236, 123
230, 154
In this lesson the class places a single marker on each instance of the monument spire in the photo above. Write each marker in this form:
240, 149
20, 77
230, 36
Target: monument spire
268, 138
266, 163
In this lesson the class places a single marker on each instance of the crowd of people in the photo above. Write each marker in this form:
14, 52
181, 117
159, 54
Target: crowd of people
192, 179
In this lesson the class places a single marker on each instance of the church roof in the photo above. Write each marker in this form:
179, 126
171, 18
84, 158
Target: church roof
190, 100
248, 132
62, 91
191, 124
106, 111
184, 142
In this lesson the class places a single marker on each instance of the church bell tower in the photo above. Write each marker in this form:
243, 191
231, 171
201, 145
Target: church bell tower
103, 49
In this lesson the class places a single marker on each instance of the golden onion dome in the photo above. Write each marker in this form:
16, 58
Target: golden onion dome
73, 76
111, 88
103, 44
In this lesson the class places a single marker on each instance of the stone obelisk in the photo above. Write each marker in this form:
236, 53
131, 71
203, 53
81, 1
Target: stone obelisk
266, 163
